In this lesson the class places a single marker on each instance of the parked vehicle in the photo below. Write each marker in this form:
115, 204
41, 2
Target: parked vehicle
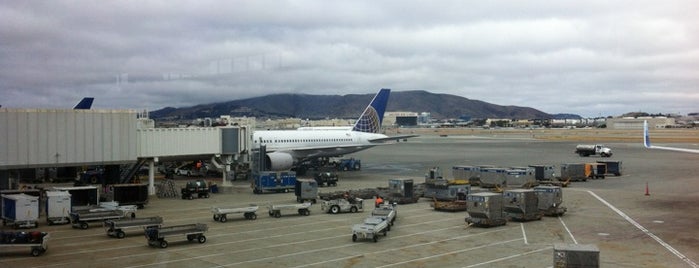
156, 235
593, 149
352, 204
36, 241
199, 188
326, 178
370, 229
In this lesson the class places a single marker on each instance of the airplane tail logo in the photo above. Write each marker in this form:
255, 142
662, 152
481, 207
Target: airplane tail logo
371, 118
84, 104
646, 137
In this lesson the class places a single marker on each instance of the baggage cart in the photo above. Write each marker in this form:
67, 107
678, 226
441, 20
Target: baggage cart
306, 190
81, 218
613, 167
221, 213
36, 241
370, 229
302, 209
117, 228
387, 211
451, 206
349, 204
156, 235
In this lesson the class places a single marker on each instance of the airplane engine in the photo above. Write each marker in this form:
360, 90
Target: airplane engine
279, 161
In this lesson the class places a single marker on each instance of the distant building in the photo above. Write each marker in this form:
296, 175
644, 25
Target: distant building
637, 122
400, 119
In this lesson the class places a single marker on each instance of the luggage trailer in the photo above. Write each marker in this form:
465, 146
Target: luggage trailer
221, 213
302, 209
116, 228
80, 219
156, 235
36, 241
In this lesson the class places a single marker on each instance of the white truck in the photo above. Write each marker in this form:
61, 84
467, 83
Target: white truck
370, 229
593, 149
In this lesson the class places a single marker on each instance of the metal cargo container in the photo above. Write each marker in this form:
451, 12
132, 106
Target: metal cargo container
306, 190
81, 196
522, 204
550, 200
595, 170
520, 177
66, 137
58, 207
273, 181
20, 210
492, 177
613, 167
450, 192
130, 194
573, 172
575, 255
401, 187
543, 172
485, 209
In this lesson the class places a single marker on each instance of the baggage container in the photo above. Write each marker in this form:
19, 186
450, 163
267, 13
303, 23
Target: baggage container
447, 193
613, 167
544, 172
550, 200
306, 190
573, 172
485, 209
520, 177
81, 196
401, 187
492, 177
130, 194
595, 170
273, 181
575, 255
20, 210
522, 204
58, 207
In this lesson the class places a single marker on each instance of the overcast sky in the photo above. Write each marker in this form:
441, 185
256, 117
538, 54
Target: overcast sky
590, 58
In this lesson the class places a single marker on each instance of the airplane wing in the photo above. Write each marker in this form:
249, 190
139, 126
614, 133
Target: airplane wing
646, 143
392, 138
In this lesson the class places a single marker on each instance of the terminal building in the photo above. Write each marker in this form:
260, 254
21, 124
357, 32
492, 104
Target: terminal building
401, 119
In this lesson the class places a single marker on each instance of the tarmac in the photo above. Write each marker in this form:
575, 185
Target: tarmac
647, 217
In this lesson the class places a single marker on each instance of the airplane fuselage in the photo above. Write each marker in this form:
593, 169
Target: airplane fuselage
304, 144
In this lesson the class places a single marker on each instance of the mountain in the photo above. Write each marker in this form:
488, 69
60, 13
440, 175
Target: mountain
440, 106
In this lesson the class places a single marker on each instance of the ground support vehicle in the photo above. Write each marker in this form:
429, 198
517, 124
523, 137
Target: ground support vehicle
36, 241
130, 194
273, 181
156, 235
199, 188
550, 200
20, 210
326, 178
334, 206
370, 229
485, 209
349, 164
302, 209
593, 149
522, 204
81, 218
221, 213
116, 228
386, 211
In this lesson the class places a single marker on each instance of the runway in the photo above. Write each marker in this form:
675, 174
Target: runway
658, 230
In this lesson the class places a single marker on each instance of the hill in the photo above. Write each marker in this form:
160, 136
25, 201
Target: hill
440, 106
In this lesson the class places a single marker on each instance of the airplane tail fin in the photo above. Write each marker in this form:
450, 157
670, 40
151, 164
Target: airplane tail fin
371, 118
84, 104
646, 137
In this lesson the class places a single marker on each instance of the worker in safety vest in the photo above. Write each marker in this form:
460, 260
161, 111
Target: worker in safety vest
379, 200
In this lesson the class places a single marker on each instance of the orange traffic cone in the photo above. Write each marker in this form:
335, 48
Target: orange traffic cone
647, 192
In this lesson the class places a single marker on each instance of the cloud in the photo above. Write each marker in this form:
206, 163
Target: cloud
558, 57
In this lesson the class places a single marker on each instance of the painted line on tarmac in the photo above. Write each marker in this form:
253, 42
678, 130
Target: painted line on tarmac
645, 231
524, 234
509, 257
397, 249
451, 252
567, 230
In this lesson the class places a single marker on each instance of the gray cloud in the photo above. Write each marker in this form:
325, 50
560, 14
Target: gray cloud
591, 58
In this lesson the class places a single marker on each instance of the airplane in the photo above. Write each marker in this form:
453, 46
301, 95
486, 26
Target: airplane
646, 142
288, 148
84, 104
